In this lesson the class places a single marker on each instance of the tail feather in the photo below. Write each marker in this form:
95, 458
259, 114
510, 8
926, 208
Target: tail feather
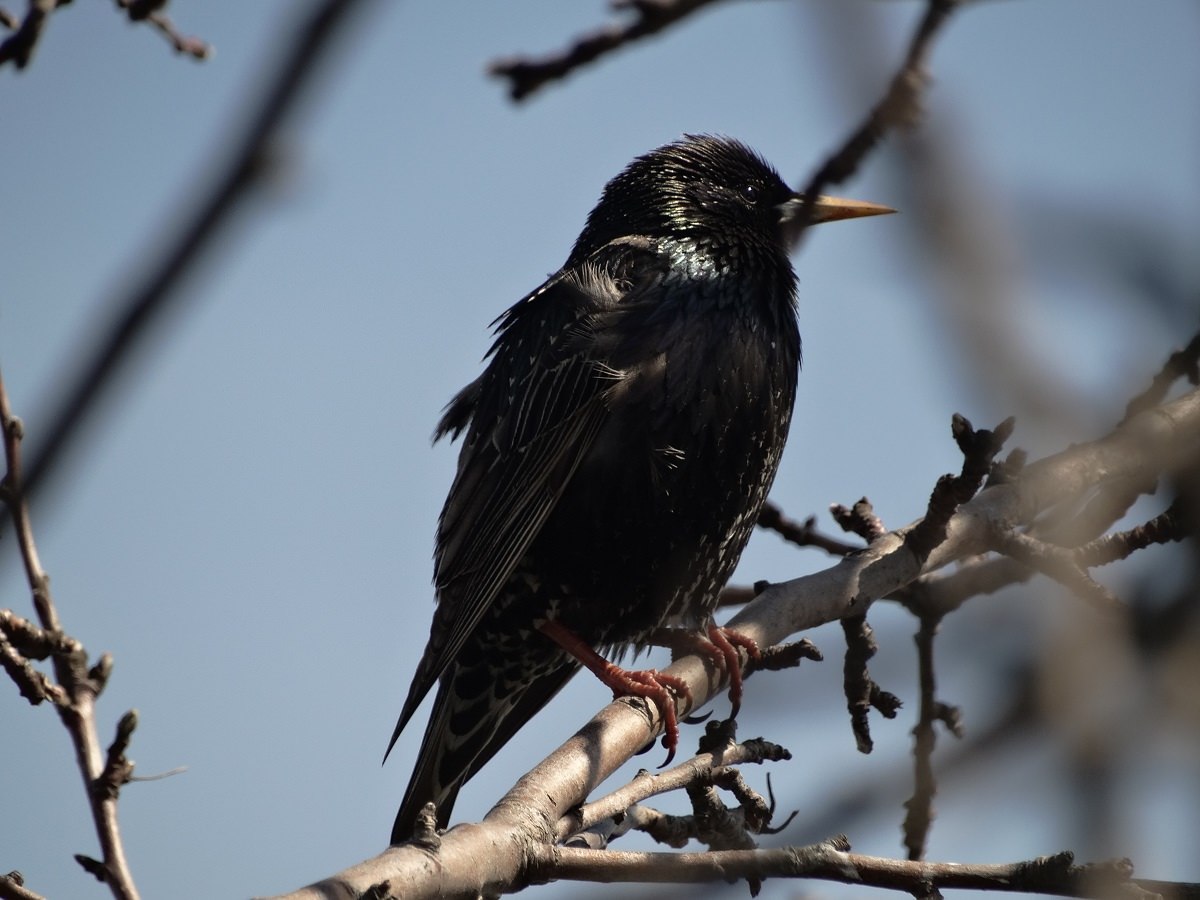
472, 719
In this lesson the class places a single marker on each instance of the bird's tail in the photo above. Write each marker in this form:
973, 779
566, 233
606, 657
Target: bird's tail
477, 710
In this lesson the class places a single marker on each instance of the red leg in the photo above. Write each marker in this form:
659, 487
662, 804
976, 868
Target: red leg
648, 683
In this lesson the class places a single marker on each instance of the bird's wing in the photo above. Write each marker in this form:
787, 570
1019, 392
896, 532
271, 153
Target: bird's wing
532, 415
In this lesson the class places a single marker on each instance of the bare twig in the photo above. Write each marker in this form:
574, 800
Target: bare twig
75, 693
787, 655
526, 75
859, 519
919, 815
19, 46
862, 692
152, 11
1171, 525
1183, 363
1059, 563
802, 534
979, 448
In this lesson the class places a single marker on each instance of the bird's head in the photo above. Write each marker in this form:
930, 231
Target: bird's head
711, 187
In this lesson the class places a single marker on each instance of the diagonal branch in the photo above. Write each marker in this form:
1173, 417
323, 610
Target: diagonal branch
159, 293
525, 74
494, 854
900, 107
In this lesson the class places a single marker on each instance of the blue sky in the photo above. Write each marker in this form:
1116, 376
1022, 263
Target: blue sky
248, 527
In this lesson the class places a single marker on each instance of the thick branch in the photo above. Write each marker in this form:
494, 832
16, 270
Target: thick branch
493, 854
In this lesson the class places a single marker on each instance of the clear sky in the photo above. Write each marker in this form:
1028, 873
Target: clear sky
248, 529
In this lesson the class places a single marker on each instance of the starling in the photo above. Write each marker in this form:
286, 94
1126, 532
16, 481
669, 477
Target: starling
619, 446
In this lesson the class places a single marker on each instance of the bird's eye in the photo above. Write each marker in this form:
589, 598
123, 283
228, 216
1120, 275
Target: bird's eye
750, 192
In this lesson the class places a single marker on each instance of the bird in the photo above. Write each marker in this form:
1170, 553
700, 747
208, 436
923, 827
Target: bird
616, 451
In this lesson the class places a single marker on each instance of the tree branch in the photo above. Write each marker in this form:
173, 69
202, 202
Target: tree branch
77, 687
831, 861
159, 291
525, 74
19, 46
493, 855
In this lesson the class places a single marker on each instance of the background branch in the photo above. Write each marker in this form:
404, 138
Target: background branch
160, 290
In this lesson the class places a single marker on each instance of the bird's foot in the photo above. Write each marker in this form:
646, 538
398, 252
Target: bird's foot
722, 647
653, 685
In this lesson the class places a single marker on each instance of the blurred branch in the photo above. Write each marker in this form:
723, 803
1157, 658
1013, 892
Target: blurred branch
919, 815
152, 11
525, 75
18, 47
1183, 363
74, 695
159, 291
900, 107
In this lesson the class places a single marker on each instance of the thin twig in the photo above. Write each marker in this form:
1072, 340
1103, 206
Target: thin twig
1169, 525
861, 690
1183, 363
1059, 563
919, 808
18, 47
78, 686
152, 11
802, 534
525, 75
979, 448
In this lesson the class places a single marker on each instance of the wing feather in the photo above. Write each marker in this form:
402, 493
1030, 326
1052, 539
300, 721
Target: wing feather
529, 420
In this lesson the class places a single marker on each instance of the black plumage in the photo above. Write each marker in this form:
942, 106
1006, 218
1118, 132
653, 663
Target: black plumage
618, 446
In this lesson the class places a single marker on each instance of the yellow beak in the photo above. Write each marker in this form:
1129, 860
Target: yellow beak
831, 209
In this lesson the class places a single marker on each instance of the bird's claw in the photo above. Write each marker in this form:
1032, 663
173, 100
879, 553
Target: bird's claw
722, 648
656, 687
